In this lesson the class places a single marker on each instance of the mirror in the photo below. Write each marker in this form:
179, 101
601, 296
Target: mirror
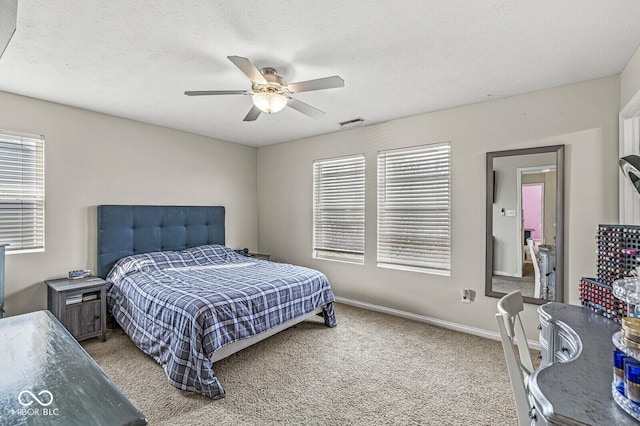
525, 223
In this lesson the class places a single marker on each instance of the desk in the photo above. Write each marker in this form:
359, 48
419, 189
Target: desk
47, 378
579, 391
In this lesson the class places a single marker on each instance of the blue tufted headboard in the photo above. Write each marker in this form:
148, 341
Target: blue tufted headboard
125, 230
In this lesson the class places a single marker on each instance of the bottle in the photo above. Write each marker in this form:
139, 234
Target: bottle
632, 380
618, 369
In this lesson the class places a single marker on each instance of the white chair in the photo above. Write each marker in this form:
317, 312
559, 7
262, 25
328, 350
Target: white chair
519, 364
536, 269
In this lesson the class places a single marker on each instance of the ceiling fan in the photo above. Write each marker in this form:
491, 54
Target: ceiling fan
270, 91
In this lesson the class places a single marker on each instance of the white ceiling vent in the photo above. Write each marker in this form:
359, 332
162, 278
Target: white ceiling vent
356, 122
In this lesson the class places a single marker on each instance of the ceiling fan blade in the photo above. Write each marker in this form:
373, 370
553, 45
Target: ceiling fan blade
317, 84
248, 68
253, 114
306, 109
215, 92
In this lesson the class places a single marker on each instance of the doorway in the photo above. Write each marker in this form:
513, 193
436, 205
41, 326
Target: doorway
532, 208
531, 184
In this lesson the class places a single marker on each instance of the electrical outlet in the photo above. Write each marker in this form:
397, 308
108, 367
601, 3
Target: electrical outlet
511, 212
466, 295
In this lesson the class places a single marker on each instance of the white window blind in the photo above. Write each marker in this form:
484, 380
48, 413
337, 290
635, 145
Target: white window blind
21, 192
414, 217
338, 209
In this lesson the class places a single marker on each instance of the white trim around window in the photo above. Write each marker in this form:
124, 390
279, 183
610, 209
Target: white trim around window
414, 208
21, 192
338, 209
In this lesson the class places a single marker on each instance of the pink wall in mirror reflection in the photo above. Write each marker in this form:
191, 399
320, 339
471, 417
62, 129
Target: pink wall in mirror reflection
532, 210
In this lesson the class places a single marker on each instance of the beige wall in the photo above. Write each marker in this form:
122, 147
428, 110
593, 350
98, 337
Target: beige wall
94, 159
582, 116
630, 79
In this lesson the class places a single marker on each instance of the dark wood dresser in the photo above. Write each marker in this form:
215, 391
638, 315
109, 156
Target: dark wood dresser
46, 378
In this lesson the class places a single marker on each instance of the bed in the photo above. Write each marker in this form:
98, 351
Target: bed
187, 300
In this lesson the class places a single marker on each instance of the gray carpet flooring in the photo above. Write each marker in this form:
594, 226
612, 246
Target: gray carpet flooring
526, 284
371, 369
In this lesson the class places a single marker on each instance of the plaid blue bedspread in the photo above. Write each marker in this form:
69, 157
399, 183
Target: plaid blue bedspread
180, 307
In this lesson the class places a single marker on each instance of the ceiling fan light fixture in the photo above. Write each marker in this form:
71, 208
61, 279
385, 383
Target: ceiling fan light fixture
270, 91
269, 102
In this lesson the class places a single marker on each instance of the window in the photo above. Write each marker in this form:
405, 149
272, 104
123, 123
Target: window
414, 208
21, 192
338, 209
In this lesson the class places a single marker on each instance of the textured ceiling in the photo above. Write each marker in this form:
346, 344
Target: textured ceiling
134, 59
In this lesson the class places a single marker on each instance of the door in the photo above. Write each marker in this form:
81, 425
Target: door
532, 211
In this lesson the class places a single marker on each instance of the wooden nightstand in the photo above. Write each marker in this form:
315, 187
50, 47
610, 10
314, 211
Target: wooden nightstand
258, 255
80, 305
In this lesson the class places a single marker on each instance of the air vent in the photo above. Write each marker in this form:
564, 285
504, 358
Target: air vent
351, 123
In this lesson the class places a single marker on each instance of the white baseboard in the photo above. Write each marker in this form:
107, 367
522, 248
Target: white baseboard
493, 335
